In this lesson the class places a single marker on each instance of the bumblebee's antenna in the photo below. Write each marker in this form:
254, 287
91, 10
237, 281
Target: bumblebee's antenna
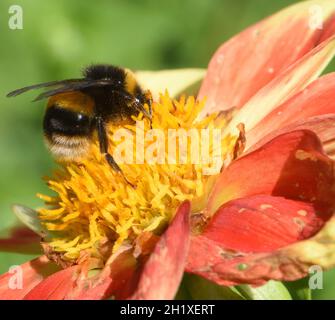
41, 85
62, 87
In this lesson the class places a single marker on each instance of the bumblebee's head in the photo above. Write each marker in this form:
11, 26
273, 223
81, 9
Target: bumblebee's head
68, 124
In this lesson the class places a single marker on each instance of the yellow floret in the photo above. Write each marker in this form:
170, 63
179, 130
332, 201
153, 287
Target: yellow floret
94, 203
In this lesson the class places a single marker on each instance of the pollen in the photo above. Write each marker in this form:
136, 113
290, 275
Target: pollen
94, 207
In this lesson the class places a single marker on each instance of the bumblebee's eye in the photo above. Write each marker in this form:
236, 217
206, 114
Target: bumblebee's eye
66, 122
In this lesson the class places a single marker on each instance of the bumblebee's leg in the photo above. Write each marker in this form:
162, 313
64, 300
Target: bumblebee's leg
148, 98
140, 99
103, 144
137, 104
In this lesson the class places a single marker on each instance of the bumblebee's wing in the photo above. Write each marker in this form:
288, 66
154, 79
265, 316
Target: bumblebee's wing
42, 85
68, 87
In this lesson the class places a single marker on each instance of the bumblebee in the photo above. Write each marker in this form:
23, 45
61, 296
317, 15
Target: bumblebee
77, 109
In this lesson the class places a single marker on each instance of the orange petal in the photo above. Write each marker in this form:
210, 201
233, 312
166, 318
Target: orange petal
32, 272
283, 87
250, 60
54, 287
317, 99
164, 269
291, 165
323, 126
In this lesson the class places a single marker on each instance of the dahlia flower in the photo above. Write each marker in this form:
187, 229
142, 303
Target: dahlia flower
266, 214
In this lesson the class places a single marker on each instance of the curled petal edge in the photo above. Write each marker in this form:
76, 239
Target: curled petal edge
289, 263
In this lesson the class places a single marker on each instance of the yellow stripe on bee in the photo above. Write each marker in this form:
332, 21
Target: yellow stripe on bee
130, 81
75, 101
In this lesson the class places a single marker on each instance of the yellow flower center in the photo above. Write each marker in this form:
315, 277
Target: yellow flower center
95, 205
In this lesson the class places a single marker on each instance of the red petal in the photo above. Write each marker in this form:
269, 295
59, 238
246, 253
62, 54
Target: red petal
213, 261
21, 240
317, 99
33, 272
250, 60
55, 287
164, 269
292, 165
263, 223
323, 126
228, 268
118, 280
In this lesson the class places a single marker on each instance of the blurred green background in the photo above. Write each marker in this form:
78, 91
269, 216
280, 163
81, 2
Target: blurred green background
60, 37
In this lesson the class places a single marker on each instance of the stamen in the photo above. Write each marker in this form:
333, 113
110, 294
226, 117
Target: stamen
94, 205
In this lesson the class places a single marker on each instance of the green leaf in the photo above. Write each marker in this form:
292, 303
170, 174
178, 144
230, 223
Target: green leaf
199, 288
299, 289
8, 260
272, 290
